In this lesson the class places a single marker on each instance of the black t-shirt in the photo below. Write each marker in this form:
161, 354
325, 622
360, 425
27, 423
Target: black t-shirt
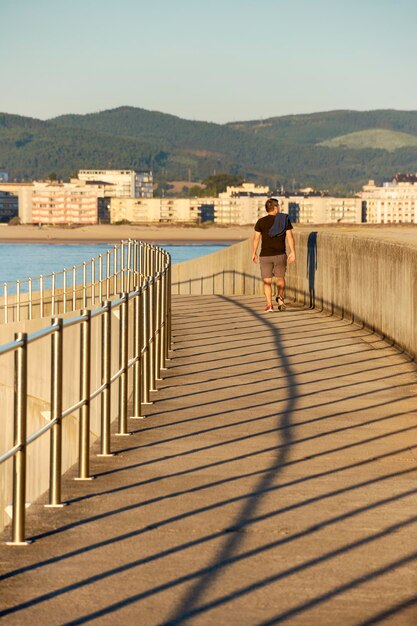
270, 245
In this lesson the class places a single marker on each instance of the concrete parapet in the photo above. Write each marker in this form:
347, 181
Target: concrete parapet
229, 271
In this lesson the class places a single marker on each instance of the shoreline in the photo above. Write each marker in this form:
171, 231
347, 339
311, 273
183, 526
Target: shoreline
167, 242
179, 234
105, 233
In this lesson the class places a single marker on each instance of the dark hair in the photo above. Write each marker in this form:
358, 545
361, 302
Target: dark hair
270, 204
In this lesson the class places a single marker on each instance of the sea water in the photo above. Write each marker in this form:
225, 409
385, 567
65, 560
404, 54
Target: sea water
19, 261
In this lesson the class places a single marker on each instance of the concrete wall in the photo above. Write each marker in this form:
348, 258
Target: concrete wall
365, 278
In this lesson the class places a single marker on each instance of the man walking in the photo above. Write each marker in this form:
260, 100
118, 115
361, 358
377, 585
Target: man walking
273, 255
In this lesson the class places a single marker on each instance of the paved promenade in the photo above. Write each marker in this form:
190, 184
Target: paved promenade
273, 481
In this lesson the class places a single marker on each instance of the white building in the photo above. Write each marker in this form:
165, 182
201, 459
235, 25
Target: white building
238, 210
323, 209
244, 204
394, 202
67, 203
137, 210
249, 190
121, 183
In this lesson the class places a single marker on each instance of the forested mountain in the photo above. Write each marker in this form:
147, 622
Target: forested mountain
337, 150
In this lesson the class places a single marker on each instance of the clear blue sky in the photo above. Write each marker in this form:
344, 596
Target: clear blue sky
219, 60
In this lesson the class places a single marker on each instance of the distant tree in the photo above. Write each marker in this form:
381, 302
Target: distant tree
217, 183
163, 188
196, 191
52, 176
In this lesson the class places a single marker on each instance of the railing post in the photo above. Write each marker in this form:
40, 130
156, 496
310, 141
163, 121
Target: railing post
169, 311
20, 425
6, 304
41, 294
146, 344
167, 307
129, 264
106, 379
64, 303
85, 381
74, 293
163, 341
123, 363
30, 298
135, 261
115, 270
158, 299
122, 267
141, 261
137, 354
93, 282
84, 284
53, 295
100, 277
151, 313
107, 274
55, 468
148, 261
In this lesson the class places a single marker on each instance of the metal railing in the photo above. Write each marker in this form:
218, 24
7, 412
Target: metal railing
144, 324
86, 284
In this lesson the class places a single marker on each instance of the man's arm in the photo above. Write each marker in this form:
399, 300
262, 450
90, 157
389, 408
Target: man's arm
291, 244
255, 242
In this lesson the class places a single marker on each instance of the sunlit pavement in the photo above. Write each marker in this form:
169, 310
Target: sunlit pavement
274, 480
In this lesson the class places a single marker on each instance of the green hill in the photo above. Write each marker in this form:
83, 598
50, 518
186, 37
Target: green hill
298, 150
319, 127
374, 138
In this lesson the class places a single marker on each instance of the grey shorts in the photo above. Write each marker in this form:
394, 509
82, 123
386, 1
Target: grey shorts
273, 266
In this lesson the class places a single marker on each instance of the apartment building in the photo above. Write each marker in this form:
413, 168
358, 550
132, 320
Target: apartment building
8, 206
67, 203
322, 209
235, 209
393, 202
121, 183
23, 193
238, 210
137, 210
243, 204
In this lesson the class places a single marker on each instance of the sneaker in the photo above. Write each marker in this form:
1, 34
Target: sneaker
281, 304
269, 308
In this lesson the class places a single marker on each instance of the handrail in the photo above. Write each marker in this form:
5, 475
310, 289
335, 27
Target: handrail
147, 304
60, 292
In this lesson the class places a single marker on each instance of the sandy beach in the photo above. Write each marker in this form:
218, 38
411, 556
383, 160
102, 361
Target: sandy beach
109, 233
185, 234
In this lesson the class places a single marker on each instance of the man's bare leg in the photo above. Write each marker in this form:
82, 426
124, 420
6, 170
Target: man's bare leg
268, 291
280, 286
280, 297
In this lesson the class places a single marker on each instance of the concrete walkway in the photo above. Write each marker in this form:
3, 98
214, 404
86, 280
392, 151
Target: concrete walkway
274, 481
